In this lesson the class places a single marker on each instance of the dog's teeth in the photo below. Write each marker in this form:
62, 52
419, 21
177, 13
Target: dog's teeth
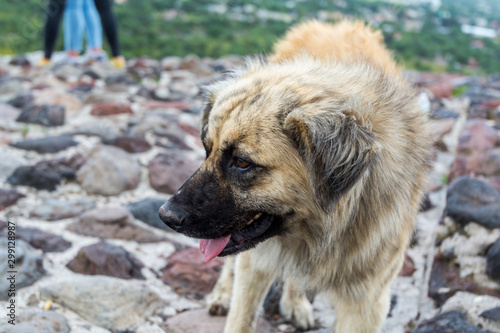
254, 218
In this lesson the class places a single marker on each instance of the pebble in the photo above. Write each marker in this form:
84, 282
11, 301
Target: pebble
470, 199
31, 321
116, 304
168, 172
9, 198
28, 266
21, 100
493, 261
45, 241
41, 176
492, 314
49, 144
109, 171
448, 322
106, 259
477, 153
131, 143
147, 211
189, 275
47, 115
110, 109
113, 222
55, 209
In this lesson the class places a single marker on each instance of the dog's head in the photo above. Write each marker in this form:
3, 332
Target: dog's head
279, 149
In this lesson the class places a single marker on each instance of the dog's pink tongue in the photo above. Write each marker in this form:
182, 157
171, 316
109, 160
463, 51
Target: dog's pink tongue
212, 247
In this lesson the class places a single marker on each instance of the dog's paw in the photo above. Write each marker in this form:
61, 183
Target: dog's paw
218, 303
299, 311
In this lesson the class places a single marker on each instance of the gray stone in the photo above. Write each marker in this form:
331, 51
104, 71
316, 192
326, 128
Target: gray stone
49, 144
109, 171
54, 209
116, 304
448, 322
113, 222
30, 320
492, 314
147, 211
104, 130
22, 100
28, 264
493, 261
41, 176
47, 115
469, 199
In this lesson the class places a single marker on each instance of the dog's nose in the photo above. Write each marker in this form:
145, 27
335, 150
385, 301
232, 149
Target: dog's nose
172, 217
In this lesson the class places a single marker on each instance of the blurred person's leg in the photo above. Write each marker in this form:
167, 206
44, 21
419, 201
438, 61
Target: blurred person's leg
74, 24
54, 13
110, 27
93, 29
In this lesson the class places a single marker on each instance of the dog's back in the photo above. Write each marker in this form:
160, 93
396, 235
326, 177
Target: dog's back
344, 41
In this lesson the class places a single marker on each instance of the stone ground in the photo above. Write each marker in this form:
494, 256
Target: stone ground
89, 153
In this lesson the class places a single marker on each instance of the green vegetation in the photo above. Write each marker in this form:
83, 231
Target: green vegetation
157, 28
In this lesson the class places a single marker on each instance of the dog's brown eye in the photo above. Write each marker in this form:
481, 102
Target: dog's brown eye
240, 163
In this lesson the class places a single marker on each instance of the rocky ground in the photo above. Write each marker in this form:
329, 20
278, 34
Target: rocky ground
89, 153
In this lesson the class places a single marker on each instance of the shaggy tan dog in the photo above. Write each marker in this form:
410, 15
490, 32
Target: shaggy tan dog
315, 165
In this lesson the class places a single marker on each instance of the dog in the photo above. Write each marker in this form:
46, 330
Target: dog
315, 163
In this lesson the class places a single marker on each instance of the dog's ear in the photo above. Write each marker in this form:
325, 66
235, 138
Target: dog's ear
336, 148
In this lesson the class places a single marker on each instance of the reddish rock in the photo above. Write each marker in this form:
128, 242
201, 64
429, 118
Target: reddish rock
445, 281
194, 131
106, 259
110, 109
200, 321
132, 144
476, 154
441, 90
9, 197
408, 267
179, 105
188, 274
168, 172
40, 239
491, 104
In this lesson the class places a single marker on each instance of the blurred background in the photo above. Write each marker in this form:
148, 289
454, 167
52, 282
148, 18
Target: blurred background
431, 35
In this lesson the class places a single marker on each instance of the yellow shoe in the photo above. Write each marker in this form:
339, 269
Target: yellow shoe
118, 62
44, 62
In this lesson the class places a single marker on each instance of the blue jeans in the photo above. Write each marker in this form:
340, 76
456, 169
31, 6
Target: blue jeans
81, 15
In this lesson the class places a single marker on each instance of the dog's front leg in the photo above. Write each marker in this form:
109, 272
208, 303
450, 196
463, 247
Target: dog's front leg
295, 306
361, 316
251, 284
220, 297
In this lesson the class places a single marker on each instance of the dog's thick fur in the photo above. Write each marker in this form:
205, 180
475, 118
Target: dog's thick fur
337, 146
